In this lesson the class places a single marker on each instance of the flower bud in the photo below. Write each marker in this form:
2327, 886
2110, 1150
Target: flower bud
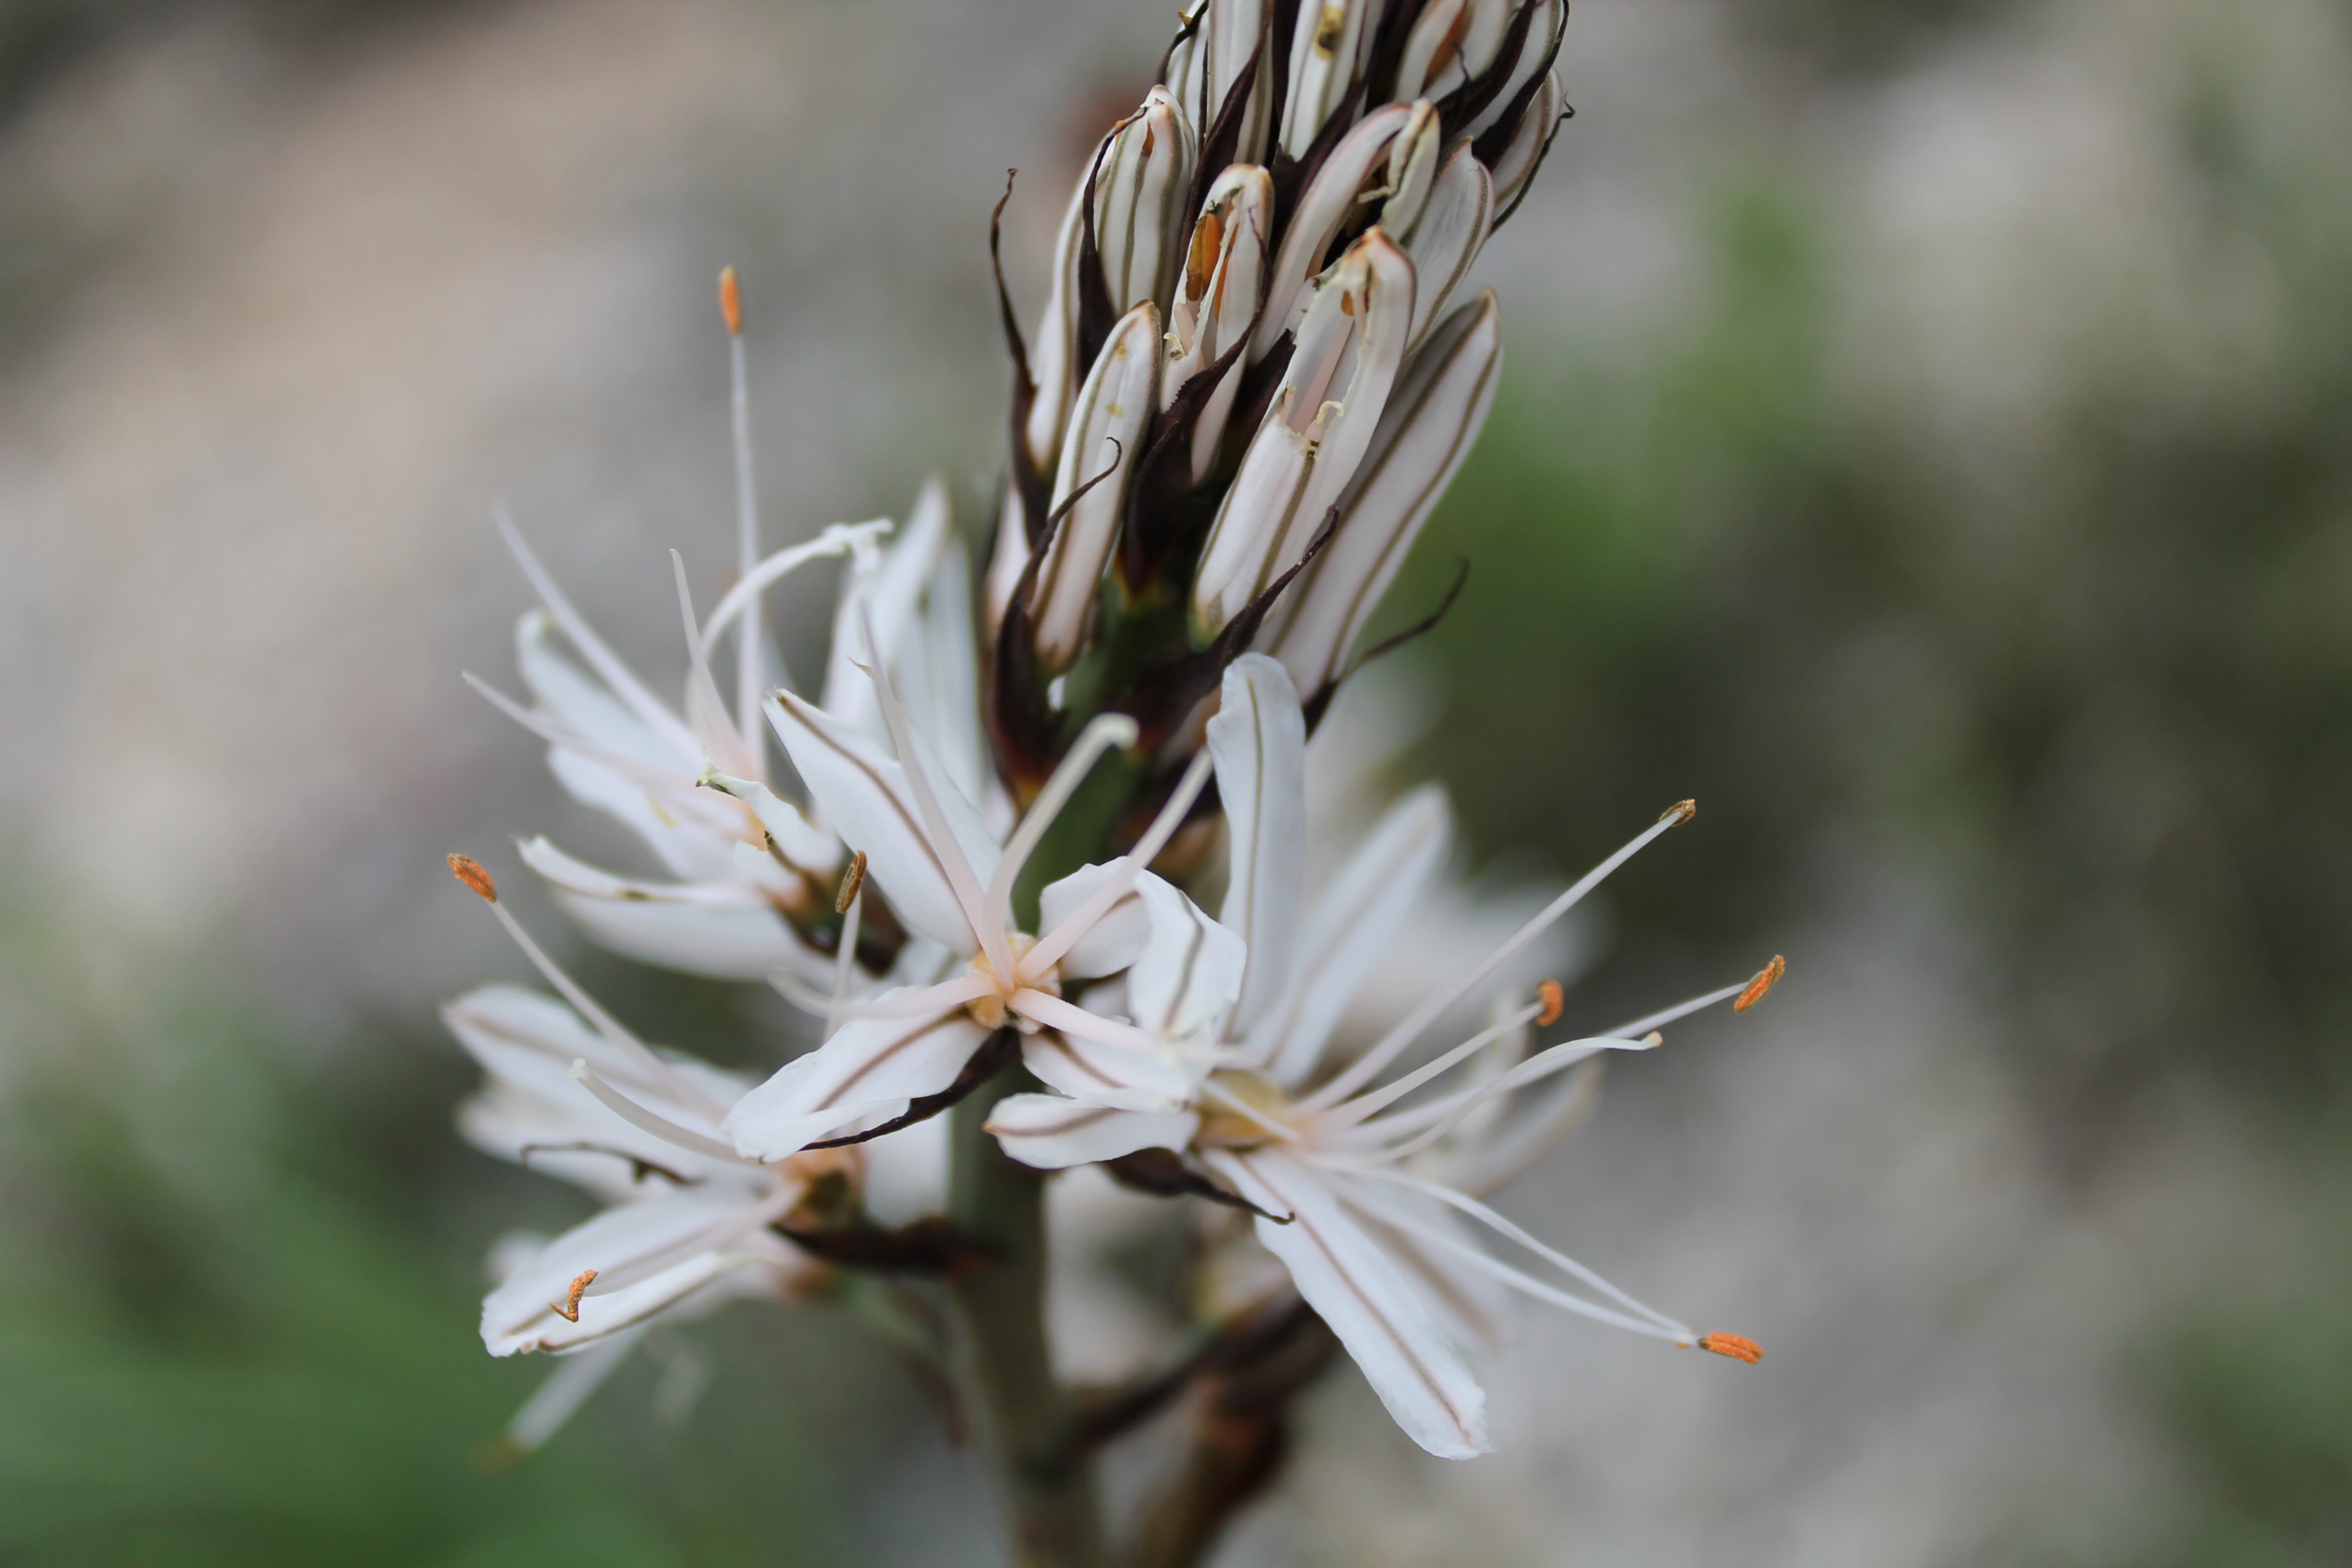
1389, 145
1445, 241
1316, 431
1141, 186
1217, 297
1538, 47
1327, 50
1515, 164
1107, 427
1209, 59
1140, 175
1451, 42
1429, 426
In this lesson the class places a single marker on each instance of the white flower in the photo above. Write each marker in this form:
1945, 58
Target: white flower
952, 881
754, 874
1339, 1164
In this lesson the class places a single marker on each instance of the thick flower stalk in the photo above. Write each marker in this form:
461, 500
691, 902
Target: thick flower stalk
982, 850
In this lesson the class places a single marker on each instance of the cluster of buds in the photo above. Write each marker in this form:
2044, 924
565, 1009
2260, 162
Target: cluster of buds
1248, 391
975, 854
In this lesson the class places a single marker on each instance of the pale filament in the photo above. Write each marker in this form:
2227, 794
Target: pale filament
652, 1121
1364, 1105
1362, 1069
1050, 947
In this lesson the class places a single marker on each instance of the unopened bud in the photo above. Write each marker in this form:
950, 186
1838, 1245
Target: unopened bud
1334, 198
1140, 185
1432, 419
1515, 164
1682, 811
730, 300
1447, 236
1737, 1346
569, 1308
1327, 52
1761, 986
469, 871
1217, 294
1538, 47
1452, 41
1553, 998
1219, 40
1106, 436
1315, 432
852, 882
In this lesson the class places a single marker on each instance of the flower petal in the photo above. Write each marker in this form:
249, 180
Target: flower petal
1367, 1299
1259, 742
1052, 1133
1353, 924
1115, 941
871, 1066
866, 797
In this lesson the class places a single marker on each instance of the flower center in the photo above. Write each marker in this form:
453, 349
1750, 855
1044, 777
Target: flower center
990, 1012
1236, 1106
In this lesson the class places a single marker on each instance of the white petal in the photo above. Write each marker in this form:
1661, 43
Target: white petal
1370, 1303
531, 1039
1053, 1134
865, 794
885, 596
742, 941
871, 1068
1259, 741
1115, 941
1190, 971
1102, 1073
630, 1245
797, 839
691, 840
1352, 928
1477, 1311
582, 705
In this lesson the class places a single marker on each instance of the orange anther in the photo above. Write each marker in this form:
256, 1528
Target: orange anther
569, 1308
1553, 999
469, 871
1737, 1347
852, 881
1761, 986
1681, 811
730, 300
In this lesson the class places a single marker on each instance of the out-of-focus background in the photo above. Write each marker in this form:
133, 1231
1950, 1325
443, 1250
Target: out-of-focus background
1927, 441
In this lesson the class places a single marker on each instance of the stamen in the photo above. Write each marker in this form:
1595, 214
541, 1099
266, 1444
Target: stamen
469, 871
1104, 733
645, 1121
730, 301
750, 641
600, 658
1737, 1346
837, 539
706, 711
1364, 1105
852, 882
1445, 1115
1062, 938
604, 1024
845, 957
569, 1308
1553, 999
1362, 1070
988, 930
554, 735
1761, 986
1681, 811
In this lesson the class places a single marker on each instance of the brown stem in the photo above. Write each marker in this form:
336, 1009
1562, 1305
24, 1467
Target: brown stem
1044, 1482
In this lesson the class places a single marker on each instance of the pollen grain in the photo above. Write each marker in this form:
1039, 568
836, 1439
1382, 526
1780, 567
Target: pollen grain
469, 871
1761, 986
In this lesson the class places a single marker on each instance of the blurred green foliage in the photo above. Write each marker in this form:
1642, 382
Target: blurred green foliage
239, 1324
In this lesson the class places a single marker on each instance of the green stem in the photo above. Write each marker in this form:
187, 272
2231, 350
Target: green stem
1043, 1481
